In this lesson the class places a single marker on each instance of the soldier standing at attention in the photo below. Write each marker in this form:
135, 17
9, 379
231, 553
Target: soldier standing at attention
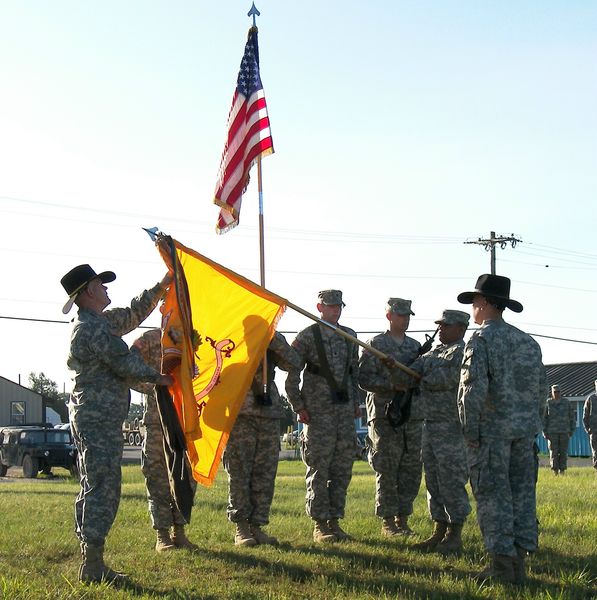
443, 451
166, 519
502, 387
253, 449
559, 423
103, 370
589, 419
327, 403
395, 453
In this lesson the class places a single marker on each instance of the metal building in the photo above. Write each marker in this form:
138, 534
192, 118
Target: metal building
19, 405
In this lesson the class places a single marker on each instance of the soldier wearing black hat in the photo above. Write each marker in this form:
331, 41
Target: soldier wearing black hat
103, 370
502, 387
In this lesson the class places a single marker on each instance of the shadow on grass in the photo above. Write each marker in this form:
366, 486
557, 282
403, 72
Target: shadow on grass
134, 589
400, 575
356, 579
577, 575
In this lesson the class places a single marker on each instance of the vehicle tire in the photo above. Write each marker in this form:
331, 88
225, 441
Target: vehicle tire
131, 439
30, 467
137, 439
3, 469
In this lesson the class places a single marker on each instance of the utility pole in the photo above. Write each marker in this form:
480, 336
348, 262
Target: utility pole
492, 242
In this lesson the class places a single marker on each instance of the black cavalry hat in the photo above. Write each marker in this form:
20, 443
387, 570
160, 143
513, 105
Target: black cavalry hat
76, 280
495, 286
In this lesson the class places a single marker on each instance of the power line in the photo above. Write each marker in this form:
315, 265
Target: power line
294, 332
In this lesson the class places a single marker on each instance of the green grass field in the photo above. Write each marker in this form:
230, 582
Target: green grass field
39, 554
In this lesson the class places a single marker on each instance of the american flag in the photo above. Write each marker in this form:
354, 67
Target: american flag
248, 138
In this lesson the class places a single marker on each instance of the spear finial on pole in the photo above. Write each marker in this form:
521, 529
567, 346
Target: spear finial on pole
254, 13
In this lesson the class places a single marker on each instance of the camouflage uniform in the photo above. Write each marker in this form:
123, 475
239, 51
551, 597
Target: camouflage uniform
559, 422
328, 441
251, 455
395, 456
502, 383
162, 506
443, 450
589, 419
104, 370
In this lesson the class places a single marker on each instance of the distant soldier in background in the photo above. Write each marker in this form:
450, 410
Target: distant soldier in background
502, 384
253, 449
395, 453
327, 403
559, 423
166, 518
589, 419
443, 451
103, 370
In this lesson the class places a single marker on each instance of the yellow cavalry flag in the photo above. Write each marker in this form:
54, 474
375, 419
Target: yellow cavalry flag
235, 319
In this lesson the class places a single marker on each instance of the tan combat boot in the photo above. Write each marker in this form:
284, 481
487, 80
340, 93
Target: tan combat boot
180, 539
261, 537
388, 527
452, 543
439, 531
500, 568
93, 569
340, 534
163, 542
518, 566
322, 534
402, 525
243, 535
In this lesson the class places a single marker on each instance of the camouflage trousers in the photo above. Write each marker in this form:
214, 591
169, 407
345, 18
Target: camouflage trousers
99, 454
328, 449
162, 507
446, 471
395, 456
251, 461
503, 476
593, 439
558, 451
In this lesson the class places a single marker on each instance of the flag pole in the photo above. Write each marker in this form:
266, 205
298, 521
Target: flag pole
261, 226
154, 234
262, 260
255, 13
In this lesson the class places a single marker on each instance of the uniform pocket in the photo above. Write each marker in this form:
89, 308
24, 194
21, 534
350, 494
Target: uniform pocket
478, 460
304, 448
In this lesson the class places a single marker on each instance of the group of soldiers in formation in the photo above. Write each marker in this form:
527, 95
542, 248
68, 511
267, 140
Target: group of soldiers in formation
462, 412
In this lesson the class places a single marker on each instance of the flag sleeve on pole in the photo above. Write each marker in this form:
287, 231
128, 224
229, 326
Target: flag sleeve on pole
235, 320
248, 137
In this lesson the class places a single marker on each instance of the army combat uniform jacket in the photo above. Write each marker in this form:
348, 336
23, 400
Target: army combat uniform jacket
395, 456
104, 370
443, 451
502, 384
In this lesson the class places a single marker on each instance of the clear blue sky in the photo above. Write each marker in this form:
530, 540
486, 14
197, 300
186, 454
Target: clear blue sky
401, 129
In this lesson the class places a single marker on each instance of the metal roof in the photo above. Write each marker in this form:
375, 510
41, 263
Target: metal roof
574, 379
